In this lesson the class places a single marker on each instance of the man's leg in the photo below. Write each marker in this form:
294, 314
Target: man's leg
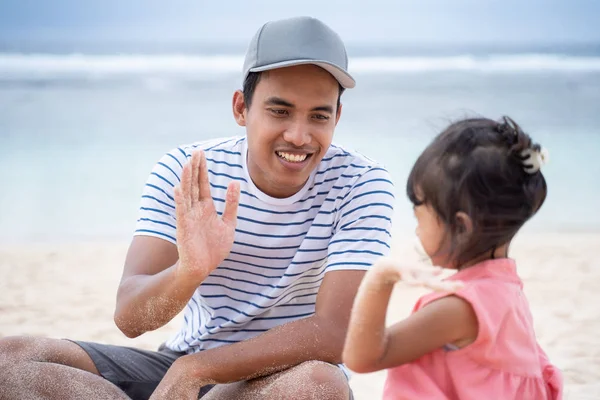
309, 380
38, 368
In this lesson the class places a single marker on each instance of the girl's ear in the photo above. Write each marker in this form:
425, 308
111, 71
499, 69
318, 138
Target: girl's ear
464, 224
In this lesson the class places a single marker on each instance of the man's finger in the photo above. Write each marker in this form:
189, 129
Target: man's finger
181, 205
195, 192
186, 184
203, 182
232, 201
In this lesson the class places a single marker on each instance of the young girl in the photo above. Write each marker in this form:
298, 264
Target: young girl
473, 188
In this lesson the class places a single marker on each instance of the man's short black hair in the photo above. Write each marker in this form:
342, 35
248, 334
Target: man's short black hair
254, 77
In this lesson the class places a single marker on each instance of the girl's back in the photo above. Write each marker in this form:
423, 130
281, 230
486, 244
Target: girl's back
504, 361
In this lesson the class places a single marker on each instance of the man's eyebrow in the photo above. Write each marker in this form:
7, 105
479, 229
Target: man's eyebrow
327, 109
277, 101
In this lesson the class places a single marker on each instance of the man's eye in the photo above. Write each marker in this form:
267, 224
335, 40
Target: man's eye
321, 117
278, 112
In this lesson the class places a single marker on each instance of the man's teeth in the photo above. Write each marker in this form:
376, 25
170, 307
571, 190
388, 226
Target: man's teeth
292, 157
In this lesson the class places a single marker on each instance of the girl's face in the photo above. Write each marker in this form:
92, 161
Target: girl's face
430, 231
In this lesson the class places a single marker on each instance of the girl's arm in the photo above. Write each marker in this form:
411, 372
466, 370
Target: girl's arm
371, 347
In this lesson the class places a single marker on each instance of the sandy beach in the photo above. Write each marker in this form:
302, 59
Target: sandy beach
68, 290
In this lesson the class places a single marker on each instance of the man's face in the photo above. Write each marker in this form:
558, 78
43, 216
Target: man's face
289, 125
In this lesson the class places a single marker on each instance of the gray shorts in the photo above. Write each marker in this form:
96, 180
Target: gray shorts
136, 372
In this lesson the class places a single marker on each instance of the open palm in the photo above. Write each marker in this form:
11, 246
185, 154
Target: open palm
204, 238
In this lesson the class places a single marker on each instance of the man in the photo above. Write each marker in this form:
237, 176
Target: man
263, 241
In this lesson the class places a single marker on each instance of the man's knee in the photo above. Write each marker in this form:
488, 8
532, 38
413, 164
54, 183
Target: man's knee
18, 349
319, 380
14, 348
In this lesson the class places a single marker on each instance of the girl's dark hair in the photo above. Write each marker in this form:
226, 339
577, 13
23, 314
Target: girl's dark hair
476, 166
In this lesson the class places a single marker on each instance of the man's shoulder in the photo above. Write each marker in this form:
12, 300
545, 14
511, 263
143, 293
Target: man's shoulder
223, 150
231, 145
343, 161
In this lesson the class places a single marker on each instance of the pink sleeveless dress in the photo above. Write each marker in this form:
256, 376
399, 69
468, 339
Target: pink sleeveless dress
504, 362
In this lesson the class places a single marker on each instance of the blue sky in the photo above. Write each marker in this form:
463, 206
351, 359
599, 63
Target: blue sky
382, 21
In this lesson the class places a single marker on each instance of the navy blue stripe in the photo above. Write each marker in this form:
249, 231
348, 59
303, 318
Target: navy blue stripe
269, 276
276, 268
374, 169
297, 304
157, 233
155, 210
359, 240
219, 296
235, 153
335, 178
374, 180
267, 284
340, 166
311, 250
349, 263
366, 217
217, 340
366, 206
163, 178
252, 293
160, 190
265, 247
224, 188
232, 309
264, 258
159, 201
157, 222
286, 317
228, 176
255, 265
250, 273
271, 236
280, 212
223, 162
175, 158
366, 194
288, 223
195, 330
169, 168
275, 223
344, 154
315, 196
355, 252
183, 152
362, 228
217, 145
230, 330
185, 334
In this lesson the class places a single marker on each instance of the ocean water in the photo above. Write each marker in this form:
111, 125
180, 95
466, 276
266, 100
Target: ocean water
79, 133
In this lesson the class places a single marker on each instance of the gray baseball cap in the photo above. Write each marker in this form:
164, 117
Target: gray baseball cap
297, 41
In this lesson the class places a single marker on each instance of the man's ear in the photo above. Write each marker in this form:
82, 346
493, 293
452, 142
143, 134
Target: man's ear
338, 114
239, 108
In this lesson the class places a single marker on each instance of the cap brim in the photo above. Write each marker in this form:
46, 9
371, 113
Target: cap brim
344, 78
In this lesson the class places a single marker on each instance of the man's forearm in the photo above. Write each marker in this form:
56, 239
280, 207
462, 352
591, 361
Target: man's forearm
276, 350
148, 302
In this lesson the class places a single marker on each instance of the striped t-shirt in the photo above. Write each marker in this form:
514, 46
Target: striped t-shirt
340, 220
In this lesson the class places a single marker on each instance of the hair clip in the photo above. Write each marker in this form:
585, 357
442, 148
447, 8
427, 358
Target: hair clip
533, 160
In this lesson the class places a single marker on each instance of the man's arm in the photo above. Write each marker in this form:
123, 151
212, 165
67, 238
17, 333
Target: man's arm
318, 337
160, 277
150, 293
